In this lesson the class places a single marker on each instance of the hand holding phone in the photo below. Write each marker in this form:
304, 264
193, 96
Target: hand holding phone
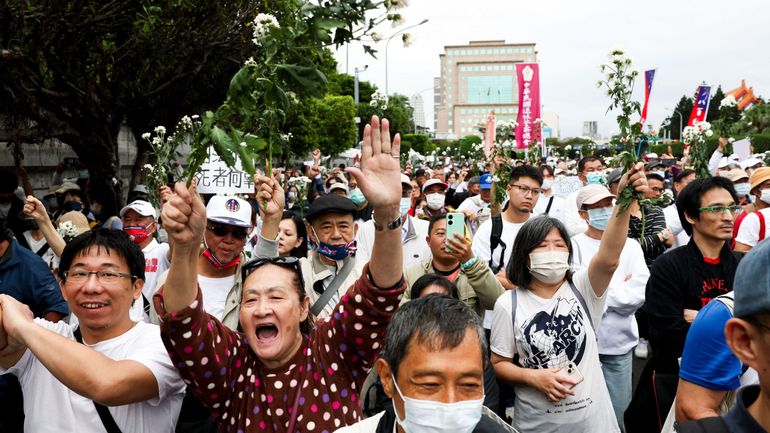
571, 371
455, 224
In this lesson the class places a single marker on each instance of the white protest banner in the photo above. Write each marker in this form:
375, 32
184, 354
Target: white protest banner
216, 177
564, 186
742, 148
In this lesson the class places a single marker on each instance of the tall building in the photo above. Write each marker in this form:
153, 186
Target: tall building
475, 80
591, 129
418, 114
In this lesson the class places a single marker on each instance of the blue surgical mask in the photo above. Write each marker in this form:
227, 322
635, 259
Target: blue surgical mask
599, 217
82, 174
405, 205
598, 178
357, 197
742, 189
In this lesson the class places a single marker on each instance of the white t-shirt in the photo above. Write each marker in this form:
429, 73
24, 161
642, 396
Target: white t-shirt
477, 206
549, 334
675, 225
215, 291
748, 232
575, 224
618, 332
557, 207
481, 250
51, 407
48, 257
155, 263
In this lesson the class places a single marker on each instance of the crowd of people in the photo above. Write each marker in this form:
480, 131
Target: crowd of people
383, 297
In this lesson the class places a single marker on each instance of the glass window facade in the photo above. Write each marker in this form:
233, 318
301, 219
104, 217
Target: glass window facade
490, 89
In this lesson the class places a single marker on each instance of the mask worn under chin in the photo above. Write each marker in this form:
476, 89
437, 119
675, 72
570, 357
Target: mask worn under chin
435, 201
550, 266
207, 253
426, 416
138, 234
598, 218
405, 205
357, 197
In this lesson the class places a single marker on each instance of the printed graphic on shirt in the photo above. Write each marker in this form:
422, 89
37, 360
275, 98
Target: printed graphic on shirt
712, 287
553, 339
151, 265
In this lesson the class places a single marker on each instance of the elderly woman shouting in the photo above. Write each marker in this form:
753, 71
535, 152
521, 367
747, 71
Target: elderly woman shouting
543, 331
283, 373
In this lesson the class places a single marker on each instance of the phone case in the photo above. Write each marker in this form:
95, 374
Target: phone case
572, 371
455, 223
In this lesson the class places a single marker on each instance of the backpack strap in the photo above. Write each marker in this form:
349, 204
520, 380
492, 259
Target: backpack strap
706, 425
761, 217
550, 202
583, 304
104, 413
495, 239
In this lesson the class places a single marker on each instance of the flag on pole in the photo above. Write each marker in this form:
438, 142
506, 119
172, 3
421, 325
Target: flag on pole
648, 77
489, 135
701, 106
528, 128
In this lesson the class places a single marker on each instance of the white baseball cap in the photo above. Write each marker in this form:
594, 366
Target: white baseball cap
230, 210
338, 185
143, 208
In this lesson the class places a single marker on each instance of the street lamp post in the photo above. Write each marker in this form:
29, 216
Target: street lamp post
680, 122
386, 49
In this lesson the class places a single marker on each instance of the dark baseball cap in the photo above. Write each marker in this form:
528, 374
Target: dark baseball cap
330, 203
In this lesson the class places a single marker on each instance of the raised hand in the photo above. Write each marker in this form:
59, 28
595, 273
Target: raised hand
380, 175
184, 217
270, 196
635, 178
15, 316
34, 208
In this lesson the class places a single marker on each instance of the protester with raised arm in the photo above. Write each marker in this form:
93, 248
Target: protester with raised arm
282, 373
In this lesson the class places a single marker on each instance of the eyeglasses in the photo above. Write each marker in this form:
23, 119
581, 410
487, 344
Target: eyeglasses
720, 210
527, 190
105, 277
222, 231
290, 262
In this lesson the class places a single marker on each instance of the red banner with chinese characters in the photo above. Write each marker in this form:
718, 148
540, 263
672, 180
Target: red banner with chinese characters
701, 106
528, 128
489, 135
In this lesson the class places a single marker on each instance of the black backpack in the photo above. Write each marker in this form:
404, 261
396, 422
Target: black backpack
494, 241
706, 425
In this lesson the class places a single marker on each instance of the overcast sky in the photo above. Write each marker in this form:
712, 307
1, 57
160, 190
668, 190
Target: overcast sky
688, 42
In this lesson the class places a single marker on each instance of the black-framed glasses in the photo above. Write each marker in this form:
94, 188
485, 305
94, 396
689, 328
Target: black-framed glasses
80, 276
222, 231
720, 210
290, 262
527, 190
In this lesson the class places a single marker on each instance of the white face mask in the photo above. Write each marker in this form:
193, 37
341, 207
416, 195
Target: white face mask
435, 200
405, 205
425, 416
550, 266
765, 197
547, 183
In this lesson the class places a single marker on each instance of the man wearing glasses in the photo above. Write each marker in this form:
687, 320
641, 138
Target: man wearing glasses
685, 279
121, 374
281, 373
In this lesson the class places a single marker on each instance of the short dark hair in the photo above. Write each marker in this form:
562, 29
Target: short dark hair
530, 236
526, 171
544, 168
688, 200
431, 280
474, 180
434, 219
107, 239
8, 181
585, 160
439, 322
301, 250
682, 174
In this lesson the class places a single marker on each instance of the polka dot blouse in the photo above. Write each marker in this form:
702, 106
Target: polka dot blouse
323, 378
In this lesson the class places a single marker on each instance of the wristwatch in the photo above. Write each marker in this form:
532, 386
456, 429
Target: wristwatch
396, 223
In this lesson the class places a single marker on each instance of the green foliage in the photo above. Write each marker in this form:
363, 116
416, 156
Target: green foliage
671, 124
419, 142
325, 123
756, 120
398, 111
677, 149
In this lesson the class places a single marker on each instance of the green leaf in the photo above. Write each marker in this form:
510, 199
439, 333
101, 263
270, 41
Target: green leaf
255, 143
223, 145
307, 77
